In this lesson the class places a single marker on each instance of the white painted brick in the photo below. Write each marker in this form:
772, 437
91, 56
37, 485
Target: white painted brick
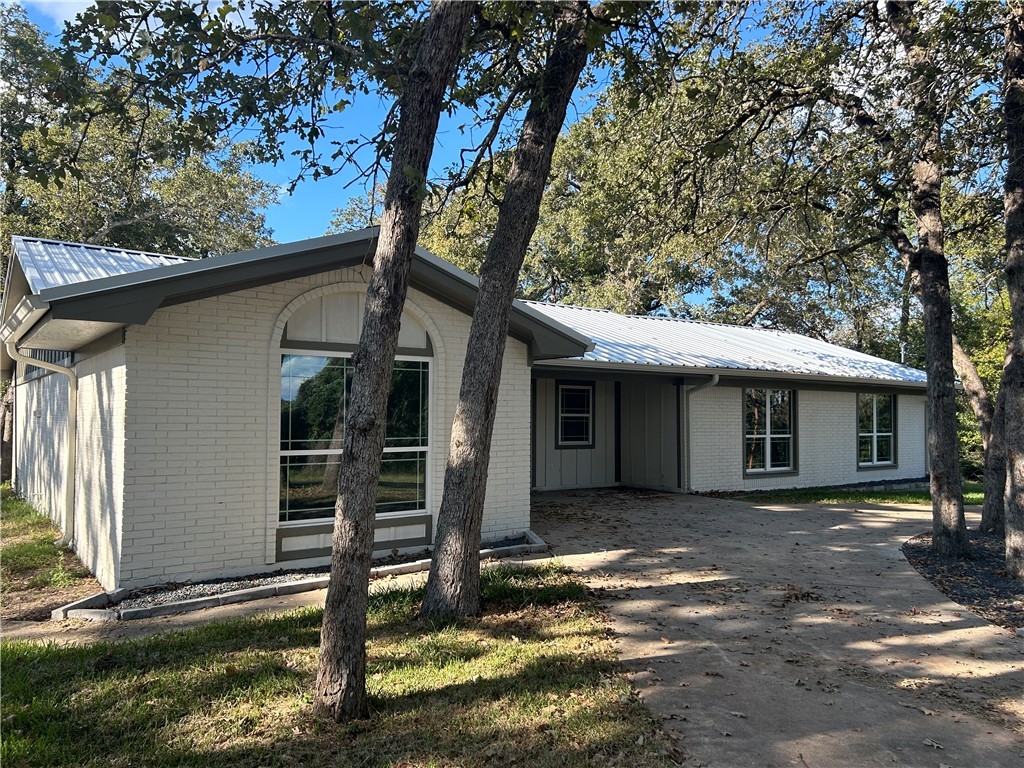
827, 447
202, 463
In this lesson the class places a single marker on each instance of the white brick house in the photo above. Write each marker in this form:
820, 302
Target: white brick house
207, 392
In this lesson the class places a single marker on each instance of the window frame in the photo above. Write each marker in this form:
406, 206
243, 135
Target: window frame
875, 434
591, 388
766, 471
331, 350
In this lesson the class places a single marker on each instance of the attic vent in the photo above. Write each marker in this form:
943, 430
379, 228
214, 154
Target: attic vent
55, 356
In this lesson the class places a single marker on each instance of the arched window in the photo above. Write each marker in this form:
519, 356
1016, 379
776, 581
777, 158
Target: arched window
316, 379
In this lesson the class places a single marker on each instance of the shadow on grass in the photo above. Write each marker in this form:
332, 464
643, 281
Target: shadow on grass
533, 681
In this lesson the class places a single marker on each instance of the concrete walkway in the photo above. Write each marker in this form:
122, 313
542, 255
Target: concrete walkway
762, 636
792, 635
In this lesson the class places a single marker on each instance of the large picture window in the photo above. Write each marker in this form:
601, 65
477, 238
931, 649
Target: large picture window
876, 430
575, 415
769, 417
314, 398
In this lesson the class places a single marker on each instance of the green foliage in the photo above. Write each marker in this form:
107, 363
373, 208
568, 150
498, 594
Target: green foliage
532, 682
29, 556
128, 188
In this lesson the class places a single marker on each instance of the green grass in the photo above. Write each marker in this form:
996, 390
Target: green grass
534, 682
972, 495
29, 558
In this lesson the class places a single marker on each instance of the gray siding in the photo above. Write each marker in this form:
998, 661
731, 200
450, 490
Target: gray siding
650, 455
559, 468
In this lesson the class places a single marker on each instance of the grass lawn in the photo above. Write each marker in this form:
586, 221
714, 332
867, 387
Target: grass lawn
534, 682
972, 495
35, 574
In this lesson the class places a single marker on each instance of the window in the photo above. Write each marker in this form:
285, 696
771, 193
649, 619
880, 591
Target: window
576, 415
769, 417
312, 428
876, 433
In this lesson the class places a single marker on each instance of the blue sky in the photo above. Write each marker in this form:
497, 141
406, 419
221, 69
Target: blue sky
307, 211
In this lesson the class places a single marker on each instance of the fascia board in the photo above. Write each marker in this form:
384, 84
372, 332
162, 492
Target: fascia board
746, 373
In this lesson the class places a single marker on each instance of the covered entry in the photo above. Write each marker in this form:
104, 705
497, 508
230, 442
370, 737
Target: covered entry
601, 431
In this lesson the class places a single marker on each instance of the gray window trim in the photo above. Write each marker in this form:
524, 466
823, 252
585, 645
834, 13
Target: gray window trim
426, 450
894, 464
590, 385
794, 468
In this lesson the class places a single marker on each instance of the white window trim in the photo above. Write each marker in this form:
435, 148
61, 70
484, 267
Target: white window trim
766, 438
874, 434
591, 391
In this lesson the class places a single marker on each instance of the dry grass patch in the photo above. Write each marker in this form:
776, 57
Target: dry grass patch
36, 576
972, 495
534, 682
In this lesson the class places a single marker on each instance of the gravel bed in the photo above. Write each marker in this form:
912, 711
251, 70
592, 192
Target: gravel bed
161, 594
981, 584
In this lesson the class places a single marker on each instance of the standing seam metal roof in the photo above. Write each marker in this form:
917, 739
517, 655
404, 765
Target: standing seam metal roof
52, 263
671, 342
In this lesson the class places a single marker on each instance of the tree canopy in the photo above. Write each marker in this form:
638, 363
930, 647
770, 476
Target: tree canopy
110, 186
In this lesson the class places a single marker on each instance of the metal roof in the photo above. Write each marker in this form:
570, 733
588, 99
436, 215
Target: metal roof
93, 287
621, 340
52, 264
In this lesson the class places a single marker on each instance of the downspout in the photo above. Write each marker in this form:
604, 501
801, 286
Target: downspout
686, 411
68, 528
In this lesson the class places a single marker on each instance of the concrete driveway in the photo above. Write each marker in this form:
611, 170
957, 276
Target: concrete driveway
792, 635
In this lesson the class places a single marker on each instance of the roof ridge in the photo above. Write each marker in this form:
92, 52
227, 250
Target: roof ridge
659, 317
95, 247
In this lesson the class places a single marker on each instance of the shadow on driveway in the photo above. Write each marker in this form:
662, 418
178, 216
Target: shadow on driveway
792, 635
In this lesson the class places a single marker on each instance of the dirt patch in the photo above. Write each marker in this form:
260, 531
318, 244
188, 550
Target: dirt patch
981, 584
36, 604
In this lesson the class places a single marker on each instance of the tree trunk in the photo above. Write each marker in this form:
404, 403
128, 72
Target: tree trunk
975, 390
341, 676
990, 426
993, 510
1013, 208
453, 585
949, 528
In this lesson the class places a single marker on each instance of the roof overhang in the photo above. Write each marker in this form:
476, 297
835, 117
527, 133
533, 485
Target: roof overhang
578, 364
85, 311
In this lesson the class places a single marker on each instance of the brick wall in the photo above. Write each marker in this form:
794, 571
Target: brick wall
42, 412
201, 480
826, 434
99, 493
41, 415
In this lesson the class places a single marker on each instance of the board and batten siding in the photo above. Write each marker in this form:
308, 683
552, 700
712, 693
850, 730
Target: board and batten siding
562, 468
826, 448
650, 438
202, 476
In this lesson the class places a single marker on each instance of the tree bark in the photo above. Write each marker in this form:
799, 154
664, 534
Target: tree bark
453, 585
949, 528
990, 426
341, 676
993, 510
1013, 209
